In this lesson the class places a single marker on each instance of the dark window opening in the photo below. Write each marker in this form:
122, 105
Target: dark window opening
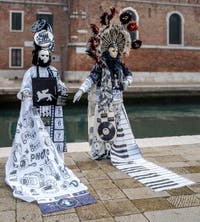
47, 17
16, 57
16, 21
175, 30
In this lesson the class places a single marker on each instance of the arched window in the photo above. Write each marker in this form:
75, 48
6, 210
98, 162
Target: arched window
175, 29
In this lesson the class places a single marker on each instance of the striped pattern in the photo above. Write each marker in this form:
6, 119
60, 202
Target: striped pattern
126, 156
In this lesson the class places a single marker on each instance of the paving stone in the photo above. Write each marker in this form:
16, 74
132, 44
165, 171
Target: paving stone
103, 162
92, 212
143, 193
2, 181
148, 152
84, 180
169, 158
193, 169
177, 215
7, 203
78, 173
191, 156
83, 156
3, 161
118, 175
193, 162
197, 195
7, 216
94, 174
62, 217
127, 183
5, 192
193, 176
69, 161
184, 201
195, 188
174, 164
120, 207
110, 194
152, 159
132, 218
108, 219
99, 184
152, 204
92, 191
179, 170
107, 167
180, 191
86, 165
27, 212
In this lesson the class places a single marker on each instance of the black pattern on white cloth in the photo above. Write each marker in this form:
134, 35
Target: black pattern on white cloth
126, 156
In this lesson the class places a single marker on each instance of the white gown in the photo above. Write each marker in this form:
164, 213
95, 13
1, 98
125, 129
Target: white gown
35, 170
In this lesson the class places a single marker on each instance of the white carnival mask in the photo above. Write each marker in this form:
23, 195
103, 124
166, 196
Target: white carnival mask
44, 55
113, 51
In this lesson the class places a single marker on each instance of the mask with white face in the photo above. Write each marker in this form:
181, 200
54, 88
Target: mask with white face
113, 51
44, 55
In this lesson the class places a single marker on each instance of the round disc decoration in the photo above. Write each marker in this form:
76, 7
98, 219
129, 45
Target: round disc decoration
38, 25
43, 38
106, 131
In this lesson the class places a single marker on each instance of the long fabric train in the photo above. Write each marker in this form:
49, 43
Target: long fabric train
126, 156
35, 170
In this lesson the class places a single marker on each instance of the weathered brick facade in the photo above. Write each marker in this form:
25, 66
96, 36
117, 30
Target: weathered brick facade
71, 25
58, 9
156, 55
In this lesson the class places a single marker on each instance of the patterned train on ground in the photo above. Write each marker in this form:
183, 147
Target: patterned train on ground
109, 130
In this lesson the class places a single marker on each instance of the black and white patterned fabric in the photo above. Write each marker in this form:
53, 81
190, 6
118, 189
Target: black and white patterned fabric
51, 115
35, 169
126, 156
123, 150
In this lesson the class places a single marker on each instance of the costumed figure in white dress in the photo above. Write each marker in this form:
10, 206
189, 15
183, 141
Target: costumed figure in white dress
35, 168
109, 130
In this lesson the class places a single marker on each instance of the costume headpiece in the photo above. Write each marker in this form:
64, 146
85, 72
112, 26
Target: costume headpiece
43, 36
109, 34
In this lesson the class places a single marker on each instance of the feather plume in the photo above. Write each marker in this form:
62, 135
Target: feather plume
92, 53
95, 29
106, 17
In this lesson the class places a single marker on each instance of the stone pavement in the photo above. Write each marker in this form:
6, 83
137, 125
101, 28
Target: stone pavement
119, 197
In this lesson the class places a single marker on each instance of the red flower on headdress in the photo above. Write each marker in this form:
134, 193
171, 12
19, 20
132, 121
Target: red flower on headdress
132, 26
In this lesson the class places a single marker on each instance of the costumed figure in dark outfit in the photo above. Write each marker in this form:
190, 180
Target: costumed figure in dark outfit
108, 123
35, 168
109, 130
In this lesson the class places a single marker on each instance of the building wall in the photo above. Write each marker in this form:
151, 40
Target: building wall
71, 27
156, 54
21, 39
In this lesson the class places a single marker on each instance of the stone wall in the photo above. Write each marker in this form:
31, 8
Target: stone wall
149, 78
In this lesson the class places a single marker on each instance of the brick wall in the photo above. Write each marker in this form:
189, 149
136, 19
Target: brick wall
18, 39
152, 31
71, 30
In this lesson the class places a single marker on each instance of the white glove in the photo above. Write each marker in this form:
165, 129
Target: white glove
125, 84
78, 95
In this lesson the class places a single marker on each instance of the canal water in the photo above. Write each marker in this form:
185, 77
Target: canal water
157, 120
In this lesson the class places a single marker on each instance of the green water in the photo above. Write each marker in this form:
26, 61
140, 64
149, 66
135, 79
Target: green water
157, 120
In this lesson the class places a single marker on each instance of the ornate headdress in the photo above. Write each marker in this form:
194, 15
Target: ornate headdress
109, 34
43, 36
